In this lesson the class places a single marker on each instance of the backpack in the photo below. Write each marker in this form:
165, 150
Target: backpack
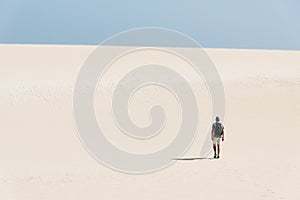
218, 129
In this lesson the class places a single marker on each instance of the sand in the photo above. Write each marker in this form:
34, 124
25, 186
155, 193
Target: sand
41, 156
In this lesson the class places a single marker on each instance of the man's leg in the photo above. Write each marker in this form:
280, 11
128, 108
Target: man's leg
219, 149
215, 153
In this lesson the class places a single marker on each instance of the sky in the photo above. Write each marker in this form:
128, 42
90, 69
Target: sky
252, 24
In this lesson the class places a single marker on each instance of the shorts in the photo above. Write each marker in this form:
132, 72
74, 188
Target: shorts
217, 141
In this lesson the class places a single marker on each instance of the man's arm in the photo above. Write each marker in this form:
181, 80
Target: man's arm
223, 135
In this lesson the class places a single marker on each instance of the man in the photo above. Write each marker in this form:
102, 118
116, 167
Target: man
217, 133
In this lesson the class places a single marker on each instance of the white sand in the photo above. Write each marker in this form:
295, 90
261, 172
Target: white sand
41, 156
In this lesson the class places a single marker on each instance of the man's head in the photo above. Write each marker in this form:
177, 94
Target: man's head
217, 118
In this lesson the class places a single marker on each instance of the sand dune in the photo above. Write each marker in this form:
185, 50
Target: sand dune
41, 156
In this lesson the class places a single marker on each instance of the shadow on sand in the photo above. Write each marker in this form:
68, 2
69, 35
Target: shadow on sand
187, 159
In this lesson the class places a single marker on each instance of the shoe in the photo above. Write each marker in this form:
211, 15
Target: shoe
218, 156
215, 156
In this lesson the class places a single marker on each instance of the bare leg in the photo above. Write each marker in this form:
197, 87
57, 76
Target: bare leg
215, 149
219, 149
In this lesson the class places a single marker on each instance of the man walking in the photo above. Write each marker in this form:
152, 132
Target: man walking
217, 133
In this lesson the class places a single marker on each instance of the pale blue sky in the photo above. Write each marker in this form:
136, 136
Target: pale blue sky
260, 24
